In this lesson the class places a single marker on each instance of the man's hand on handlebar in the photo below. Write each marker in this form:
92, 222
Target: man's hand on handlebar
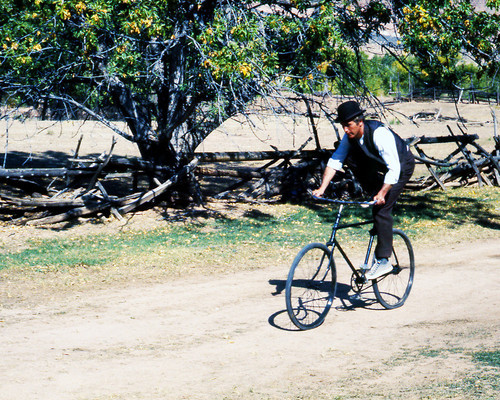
379, 200
318, 192
380, 196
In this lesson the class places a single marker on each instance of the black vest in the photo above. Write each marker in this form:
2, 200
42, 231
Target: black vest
367, 155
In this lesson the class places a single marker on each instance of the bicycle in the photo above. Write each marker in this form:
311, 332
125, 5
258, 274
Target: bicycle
312, 280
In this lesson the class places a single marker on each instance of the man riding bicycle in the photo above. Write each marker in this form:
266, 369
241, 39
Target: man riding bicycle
383, 164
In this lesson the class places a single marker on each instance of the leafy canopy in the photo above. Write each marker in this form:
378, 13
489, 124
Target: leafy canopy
441, 34
176, 69
47, 43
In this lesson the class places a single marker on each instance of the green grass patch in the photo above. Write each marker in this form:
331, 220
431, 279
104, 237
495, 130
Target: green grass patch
263, 234
491, 358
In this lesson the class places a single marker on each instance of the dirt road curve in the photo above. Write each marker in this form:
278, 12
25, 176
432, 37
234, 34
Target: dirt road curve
229, 337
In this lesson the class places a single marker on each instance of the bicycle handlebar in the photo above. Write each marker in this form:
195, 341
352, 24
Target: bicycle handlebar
359, 203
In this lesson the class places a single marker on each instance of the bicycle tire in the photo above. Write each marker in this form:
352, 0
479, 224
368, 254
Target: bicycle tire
393, 289
310, 286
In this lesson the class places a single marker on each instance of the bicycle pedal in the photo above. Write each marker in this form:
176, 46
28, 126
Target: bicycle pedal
364, 267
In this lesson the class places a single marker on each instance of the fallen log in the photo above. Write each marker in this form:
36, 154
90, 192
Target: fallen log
152, 194
9, 173
243, 181
73, 213
240, 172
107, 203
424, 159
262, 155
43, 202
447, 139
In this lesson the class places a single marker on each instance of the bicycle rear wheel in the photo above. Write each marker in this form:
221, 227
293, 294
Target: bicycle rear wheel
392, 290
310, 287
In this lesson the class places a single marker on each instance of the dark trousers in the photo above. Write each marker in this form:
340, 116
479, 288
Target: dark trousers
383, 214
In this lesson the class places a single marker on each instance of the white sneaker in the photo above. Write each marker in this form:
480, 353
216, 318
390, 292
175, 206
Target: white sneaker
379, 268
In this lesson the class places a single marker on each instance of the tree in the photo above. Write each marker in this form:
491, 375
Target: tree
443, 34
177, 69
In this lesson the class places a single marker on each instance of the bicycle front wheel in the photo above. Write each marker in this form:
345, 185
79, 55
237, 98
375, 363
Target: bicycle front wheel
392, 290
310, 287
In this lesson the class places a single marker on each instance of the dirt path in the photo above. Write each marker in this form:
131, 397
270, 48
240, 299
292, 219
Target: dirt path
229, 337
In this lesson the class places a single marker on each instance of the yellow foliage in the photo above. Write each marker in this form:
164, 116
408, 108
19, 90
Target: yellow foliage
80, 7
65, 14
245, 69
323, 67
24, 60
133, 28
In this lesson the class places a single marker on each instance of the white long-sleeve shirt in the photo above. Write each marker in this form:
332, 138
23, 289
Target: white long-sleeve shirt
384, 142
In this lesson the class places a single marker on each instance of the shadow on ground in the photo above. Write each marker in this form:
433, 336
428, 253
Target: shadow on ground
349, 301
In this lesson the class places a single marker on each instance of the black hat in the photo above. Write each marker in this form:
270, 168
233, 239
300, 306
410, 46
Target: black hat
348, 111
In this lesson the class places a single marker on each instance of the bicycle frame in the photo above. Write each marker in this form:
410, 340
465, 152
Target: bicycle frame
334, 244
